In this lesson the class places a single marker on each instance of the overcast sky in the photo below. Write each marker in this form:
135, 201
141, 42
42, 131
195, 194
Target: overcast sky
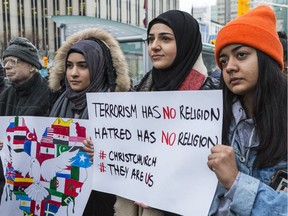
186, 5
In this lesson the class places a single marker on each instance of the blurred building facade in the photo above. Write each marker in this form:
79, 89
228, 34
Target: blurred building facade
32, 18
228, 10
212, 18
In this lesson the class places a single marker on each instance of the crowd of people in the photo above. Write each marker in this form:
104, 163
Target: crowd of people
253, 150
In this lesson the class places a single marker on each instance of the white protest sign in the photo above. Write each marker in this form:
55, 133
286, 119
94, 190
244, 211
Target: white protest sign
46, 170
152, 147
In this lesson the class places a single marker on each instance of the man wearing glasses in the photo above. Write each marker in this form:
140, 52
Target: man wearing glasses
28, 94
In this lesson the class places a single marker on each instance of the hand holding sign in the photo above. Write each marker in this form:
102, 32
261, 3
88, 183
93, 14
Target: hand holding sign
221, 159
89, 147
145, 141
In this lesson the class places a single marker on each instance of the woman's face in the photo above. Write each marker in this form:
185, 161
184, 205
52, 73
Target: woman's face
240, 68
77, 72
162, 47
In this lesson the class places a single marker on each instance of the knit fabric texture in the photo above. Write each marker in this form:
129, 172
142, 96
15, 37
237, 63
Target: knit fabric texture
256, 28
23, 49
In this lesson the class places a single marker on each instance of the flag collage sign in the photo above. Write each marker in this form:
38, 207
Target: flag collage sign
45, 171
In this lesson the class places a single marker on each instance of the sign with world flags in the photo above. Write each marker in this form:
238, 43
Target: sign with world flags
46, 169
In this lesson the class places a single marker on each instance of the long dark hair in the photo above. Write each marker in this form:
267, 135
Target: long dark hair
269, 112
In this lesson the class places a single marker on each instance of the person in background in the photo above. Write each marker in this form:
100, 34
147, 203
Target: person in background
3, 81
175, 48
90, 61
28, 94
216, 73
283, 39
251, 163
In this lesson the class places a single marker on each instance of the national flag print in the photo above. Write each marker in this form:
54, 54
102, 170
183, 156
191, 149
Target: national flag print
19, 137
67, 184
58, 184
27, 147
72, 187
30, 147
47, 150
81, 160
76, 141
75, 172
67, 199
31, 136
66, 173
50, 208
77, 130
11, 127
47, 140
25, 202
54, 184
36, 207
61, 140
25, 205
56, 196
47, 136
48, 132
60, 130
10, 173
61, 148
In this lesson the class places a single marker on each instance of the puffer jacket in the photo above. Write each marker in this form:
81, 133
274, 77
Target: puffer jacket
101, 204
57, 71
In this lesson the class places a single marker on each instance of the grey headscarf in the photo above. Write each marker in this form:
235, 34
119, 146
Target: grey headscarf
102, 75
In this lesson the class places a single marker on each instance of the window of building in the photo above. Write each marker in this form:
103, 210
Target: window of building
21, 27
82, 8
6, 21
68, 7
118, 8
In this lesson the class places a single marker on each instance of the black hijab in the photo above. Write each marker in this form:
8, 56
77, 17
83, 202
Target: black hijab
189, 47
102, 73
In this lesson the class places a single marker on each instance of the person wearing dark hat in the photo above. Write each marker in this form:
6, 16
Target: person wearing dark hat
28, 94
251, 163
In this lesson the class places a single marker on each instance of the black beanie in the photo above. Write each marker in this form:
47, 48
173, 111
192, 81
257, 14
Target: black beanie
23, 49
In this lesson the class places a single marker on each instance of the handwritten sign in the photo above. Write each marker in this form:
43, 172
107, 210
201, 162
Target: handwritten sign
152, 147
46, 170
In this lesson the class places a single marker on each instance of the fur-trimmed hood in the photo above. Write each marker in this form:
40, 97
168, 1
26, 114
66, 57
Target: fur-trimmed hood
57, 71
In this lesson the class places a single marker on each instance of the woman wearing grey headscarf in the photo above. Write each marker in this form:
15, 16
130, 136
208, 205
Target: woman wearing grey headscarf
89, 61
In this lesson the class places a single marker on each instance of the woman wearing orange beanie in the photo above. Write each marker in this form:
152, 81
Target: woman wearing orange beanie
251, 165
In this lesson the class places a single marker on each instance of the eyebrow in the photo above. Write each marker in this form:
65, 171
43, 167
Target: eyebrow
163, 33
233, 50
76, 63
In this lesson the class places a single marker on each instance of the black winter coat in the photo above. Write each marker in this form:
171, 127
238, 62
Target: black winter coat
29, 99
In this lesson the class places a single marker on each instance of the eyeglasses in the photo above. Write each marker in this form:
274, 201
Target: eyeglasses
12, 61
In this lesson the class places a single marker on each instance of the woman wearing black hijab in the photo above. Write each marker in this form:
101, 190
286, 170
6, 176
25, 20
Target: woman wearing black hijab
89, 61
174, 46
186, 71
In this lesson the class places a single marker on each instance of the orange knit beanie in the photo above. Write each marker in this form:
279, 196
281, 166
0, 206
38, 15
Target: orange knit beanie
256, 28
